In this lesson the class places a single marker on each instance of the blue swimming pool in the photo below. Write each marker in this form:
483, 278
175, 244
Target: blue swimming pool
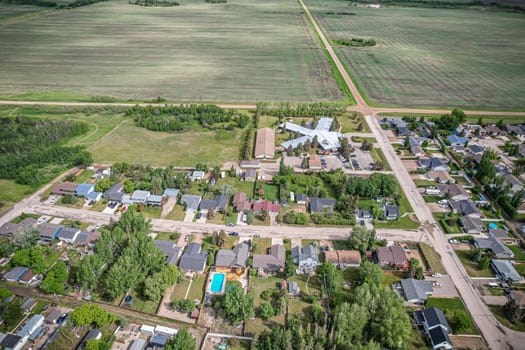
493, 225
217, 282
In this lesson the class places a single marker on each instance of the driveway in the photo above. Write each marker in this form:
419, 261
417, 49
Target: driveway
190, 214
447, 288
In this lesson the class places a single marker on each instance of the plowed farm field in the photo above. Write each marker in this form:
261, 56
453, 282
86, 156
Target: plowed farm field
427, 57
242, 51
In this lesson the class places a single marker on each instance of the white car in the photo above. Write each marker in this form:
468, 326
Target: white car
453, 241
436, 275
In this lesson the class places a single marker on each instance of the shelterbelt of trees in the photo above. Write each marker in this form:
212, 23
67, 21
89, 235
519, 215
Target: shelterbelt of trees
50, 3
31, 150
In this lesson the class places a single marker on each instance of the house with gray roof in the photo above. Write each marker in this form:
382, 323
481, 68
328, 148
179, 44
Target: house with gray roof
68, 234
416, 291
114, 193
272, 262
475, 149
301, 198
306, 257
471, 224
8, 229
170, 249
465, 207
49, 231
457, 140
417, 151
15, 274
87, 238
140, 196
193, 259
197, 175
190, 201
321, 204
454, 192
171, 192
154, 200
28, 304
12, 342
218, 203
391, 212
235, 258
505, 270
495, 246
433, 164
498, 233
436, 327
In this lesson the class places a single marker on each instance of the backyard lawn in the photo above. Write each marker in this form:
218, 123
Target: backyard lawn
450, 306
241, 186
518, 252
472, 267
139, 304
256, 287
271, 192
197, 288
179, 292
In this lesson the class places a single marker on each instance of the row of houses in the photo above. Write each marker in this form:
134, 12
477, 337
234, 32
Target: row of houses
29, 332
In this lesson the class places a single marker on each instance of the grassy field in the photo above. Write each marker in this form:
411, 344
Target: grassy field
497, 310
472, 267
245, 50
10, 13
431, 57
433, 259
128, 143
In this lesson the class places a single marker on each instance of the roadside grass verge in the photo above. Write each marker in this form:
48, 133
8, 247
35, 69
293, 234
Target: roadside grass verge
472, 267
432, 258
497, 310
403, 223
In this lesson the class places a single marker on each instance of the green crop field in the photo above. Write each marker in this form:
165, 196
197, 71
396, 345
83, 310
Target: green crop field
428, 57
245, 50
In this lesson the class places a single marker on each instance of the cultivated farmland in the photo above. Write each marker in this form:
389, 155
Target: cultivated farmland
429, 57
245, 50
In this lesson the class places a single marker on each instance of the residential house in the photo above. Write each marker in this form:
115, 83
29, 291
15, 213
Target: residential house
190, 201
93, 196
15, 274
83, 189
65, 188
458, 149
193, 259
306, 257
416, 291
435, 326
457, 140
9, 228
404, 131
272, 262
471, 224
454, 192
301, 198
433, 164
516, 130
364, 214
440, 176
250, 164
12, 342
28, 277
87, 238
241, 202
68, 234
465, 208
28, 304
475, 149
417, 141
343, 259
250, 175
495, 246
433, 191
232, 260
327, 140
49, 231
197, 175
492, 130
170, 249
53, 316
138, 344
140, 196
505, 270
498, 233
417, 151
321, 204
219, 203
514, 183
92, 334
171, 192
314, 162
265, 205
154, 200
31, 327
265, 143
391, 212
424, 131
393, 257
114, 193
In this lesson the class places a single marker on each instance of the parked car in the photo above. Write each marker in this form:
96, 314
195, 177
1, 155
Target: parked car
187, 238
453, 241
436, 275
230, 224
234, 234
199, 215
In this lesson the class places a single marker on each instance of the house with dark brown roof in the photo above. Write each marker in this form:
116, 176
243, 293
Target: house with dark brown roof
393, 257
65, 188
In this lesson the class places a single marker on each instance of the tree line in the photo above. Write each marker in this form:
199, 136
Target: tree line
185, 117
29, 147
286, 109
47, 3
154, 3
355, 42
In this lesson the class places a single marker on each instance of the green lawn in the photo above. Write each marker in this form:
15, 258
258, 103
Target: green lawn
349, 123
432, 258
115, 50
100, 205
448, 227
416, 61
261, 245
425, 183
177, 213
271, 192
520, 268
378, 155
179, 292
450, 306
49, 259
139, 304
432, 199
166, 236
79, 204
197, 288
403, 223
392, 277
518, 252
241, 186
23, 216
84, 176
472, 267
416, 341
256, 287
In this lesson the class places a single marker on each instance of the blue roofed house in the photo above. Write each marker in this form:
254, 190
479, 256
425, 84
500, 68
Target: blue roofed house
15, 274
306, 257
457, 140
31, 327
82, 190
93, 196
